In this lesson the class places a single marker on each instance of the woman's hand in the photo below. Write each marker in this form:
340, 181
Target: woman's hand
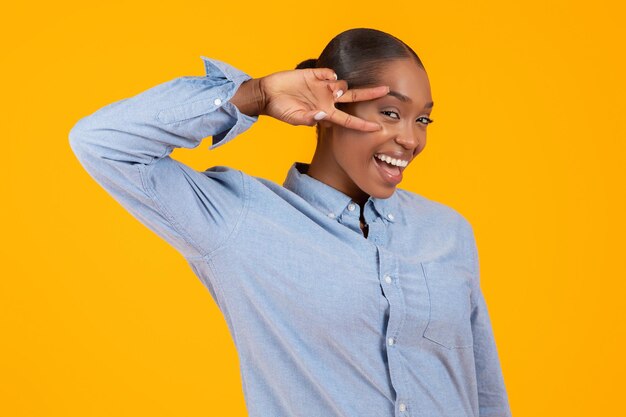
306, 96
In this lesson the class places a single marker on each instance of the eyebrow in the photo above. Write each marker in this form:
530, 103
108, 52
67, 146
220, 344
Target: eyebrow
406, 99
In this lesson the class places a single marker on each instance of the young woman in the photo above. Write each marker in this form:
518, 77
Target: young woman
345, 295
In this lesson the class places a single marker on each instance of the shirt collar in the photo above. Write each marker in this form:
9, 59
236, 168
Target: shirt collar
329, 200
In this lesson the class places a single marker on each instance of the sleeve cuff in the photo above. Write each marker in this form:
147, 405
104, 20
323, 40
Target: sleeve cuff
221, 70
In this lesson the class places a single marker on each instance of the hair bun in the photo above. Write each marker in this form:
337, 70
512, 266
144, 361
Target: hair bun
309, 63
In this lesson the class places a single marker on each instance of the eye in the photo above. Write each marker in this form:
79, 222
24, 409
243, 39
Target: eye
387, 112
425, 120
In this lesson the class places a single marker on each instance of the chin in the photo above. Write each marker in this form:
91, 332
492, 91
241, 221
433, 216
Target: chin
383, 194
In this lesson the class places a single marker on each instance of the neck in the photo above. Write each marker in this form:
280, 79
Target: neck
319, 170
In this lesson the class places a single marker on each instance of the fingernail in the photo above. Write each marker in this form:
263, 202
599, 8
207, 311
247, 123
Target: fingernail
335, 74
339, 93
320, 115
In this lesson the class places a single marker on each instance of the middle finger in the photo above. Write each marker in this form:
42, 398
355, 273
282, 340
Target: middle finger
351, 122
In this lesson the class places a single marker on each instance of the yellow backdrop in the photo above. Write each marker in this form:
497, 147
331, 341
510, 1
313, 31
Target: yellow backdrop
99, 317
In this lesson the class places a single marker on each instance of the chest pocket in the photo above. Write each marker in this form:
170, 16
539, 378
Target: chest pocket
450, 305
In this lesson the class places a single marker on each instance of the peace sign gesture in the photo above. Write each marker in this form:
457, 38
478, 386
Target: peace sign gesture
306, 96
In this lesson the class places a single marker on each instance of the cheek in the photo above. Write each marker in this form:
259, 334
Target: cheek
353, 151
422, 144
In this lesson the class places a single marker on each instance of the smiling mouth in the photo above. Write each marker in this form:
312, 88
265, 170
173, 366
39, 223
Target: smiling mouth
388, 160
390, 173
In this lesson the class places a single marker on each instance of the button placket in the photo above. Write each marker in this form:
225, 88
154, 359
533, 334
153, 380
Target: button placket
397, 311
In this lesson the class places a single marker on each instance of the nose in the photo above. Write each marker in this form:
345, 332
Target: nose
410, 137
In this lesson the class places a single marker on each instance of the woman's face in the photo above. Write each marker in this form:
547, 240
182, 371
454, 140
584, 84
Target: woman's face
346, 159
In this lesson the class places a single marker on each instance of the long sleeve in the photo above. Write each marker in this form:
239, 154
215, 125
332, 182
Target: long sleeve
492, 396
125, 147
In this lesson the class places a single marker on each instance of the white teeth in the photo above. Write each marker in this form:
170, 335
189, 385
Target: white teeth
392, 161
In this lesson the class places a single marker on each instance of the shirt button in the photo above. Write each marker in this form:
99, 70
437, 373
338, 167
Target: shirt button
391, 341
388, 279
331, 215
351, 206
402, 407
390, 216
217, 102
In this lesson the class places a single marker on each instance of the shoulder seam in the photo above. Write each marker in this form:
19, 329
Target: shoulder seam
242, 214
166, 214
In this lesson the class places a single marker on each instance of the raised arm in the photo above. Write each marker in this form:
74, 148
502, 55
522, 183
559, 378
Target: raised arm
125, 147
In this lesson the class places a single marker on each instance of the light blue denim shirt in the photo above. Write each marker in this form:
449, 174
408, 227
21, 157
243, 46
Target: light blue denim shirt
326, 322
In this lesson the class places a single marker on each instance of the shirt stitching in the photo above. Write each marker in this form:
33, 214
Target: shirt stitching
242, 214
162, 209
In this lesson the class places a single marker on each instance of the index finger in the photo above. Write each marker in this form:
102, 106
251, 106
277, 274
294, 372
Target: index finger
362, 94
351, 122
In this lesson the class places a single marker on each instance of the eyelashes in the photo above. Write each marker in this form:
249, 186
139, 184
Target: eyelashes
422, 119
427, 121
